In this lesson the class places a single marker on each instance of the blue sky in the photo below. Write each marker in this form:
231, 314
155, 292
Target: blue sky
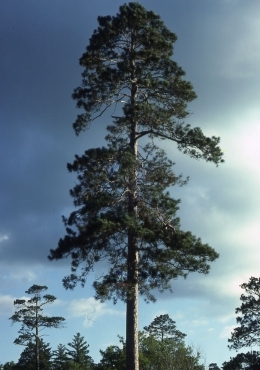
219, 48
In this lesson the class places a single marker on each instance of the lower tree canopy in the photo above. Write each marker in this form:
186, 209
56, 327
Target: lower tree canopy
98, 229
27, 358
243, 361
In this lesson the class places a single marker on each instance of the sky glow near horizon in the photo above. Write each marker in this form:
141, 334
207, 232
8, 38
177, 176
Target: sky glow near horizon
218, 47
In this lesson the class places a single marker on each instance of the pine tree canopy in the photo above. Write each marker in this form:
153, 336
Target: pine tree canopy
129, 56
243, 361
78, 350
29, 314
124, 212
247, 334
163, 327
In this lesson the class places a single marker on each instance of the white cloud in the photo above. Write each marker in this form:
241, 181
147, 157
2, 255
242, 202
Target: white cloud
90, 309
179, 315
23, 274
6, 305
226, 331
241, 143
3, 237
199, 322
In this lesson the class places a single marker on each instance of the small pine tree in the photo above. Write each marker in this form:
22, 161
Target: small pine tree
79, 352
29, 314
60, 357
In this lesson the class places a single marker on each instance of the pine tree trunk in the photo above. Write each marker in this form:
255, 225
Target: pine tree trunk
132, 347
37, 354
37, 340
132, 353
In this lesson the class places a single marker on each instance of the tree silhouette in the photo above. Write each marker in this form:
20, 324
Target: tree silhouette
124, 212
163, 327
29, 314
248, 333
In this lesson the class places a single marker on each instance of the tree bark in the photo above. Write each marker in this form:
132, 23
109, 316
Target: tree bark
132, 352
37, 339
132, 347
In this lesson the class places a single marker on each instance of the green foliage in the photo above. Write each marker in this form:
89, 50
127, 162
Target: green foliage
248, 333
79, 352
131, 53
103, 223
243, 361
27, 359
163, 327
113, 358
153, 355
213, 366
60, 358
8, 366
167, 355
74, 366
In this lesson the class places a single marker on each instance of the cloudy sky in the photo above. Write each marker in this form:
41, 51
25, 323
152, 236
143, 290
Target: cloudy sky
219, 48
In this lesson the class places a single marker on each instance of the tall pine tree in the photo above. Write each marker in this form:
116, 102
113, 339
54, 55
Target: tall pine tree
124, 213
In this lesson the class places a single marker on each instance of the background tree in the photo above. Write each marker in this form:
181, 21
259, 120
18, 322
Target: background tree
112, 358
27, 357
125, 214
163, 327
213, 366
243, 361
80, 352
156, 354
248, 333
60, 358
10, 365
29, 313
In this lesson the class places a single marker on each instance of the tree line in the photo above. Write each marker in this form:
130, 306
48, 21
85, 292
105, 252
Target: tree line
161, 344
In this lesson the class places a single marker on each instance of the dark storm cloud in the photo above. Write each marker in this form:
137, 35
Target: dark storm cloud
41, 45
